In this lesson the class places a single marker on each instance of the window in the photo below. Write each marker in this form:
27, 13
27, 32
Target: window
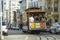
36, 4
56, 7
33, 3
3, 22
41, 7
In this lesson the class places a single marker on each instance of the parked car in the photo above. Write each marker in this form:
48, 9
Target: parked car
47, 26
55, 28
14, 27
4, 28
9, 26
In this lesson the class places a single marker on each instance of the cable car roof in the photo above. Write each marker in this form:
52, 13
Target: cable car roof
34, 9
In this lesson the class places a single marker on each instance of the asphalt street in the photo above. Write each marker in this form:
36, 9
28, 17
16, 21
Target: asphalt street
14, 32
32, 37
19, 35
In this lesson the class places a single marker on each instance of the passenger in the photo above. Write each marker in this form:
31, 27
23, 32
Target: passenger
31, 18
36, 18
40, 17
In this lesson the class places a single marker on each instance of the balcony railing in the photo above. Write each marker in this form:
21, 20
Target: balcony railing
33, 4
36, 4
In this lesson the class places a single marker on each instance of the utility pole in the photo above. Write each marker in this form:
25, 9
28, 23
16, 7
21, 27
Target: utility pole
27, 4
1, 14
59, 9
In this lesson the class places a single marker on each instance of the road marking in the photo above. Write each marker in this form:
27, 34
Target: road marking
38, 38
26, 38
2, 37
43, 38
56, 36
49, 37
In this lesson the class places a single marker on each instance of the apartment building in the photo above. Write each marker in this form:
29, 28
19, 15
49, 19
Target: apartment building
5, 9
49, 6
13, 7
32, 3
8, 8
52, 10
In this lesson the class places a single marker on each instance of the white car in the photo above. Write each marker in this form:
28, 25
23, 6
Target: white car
55, 28
4, 28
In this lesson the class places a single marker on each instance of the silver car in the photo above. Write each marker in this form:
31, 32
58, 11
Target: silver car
55, 28
14, 27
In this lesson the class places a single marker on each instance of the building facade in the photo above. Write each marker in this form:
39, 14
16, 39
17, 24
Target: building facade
52, 10
8, 8
13, 6
33, 3
49, 6
5, 10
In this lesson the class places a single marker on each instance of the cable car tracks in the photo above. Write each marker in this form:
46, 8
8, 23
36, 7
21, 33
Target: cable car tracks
48, 37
